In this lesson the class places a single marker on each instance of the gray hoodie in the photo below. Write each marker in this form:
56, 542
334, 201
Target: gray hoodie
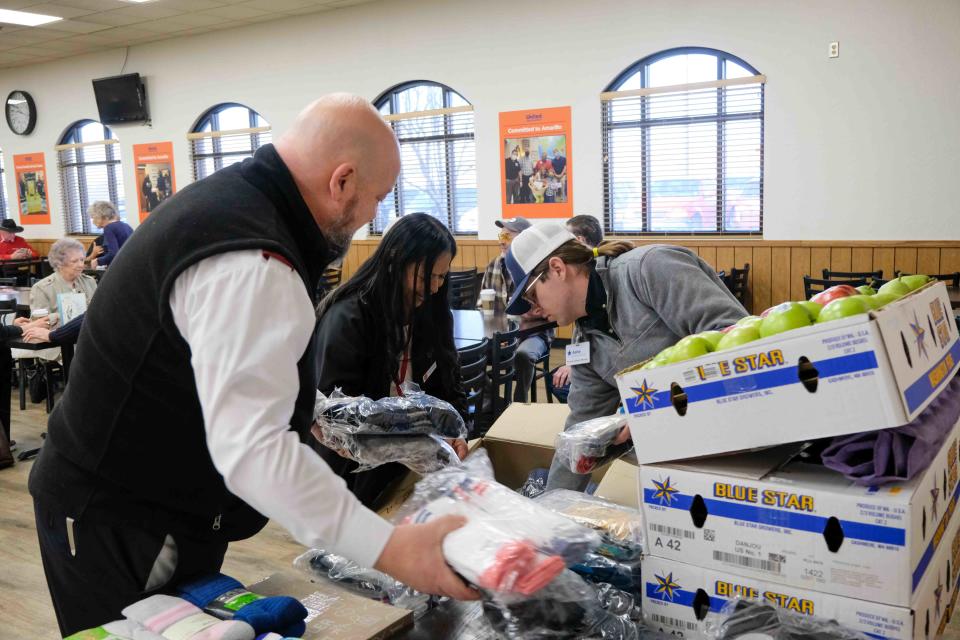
656, 295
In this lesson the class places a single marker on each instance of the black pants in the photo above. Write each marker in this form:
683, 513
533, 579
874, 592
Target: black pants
105, 568
368, 486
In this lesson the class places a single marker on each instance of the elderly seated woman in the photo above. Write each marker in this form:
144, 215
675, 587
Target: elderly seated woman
115, 232
66, 257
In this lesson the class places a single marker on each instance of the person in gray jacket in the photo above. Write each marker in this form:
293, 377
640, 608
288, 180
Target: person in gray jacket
628, 302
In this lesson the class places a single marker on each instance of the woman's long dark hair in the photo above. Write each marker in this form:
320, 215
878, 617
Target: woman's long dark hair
416, 240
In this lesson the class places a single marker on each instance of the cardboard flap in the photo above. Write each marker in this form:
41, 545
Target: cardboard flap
532, 424
749, 465
922, 347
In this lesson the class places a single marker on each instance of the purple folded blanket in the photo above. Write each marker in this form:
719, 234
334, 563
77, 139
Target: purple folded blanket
897, 454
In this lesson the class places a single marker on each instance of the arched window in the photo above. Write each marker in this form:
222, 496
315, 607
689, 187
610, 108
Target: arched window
4, 209
226, 134
682, 134
438, 167
88, 158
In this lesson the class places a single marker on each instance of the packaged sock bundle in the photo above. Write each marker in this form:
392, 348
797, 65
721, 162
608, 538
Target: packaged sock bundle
368, 583
740, 618
177, 619
589, 444
227, 599
620, 527
414, 413
535, 484
118, 630
509, 543
423, 454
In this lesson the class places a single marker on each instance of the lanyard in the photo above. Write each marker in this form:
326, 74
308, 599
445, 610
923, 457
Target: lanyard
397, 381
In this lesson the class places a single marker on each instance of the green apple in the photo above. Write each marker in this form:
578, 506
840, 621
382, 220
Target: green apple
915, 282
867, 290
689, 348
843, 307
882, 299
895, 287
750, 321
738, 336
784, 317
813, 308
713, 337
867, 300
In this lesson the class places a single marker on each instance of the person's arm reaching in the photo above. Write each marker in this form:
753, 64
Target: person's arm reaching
248, 320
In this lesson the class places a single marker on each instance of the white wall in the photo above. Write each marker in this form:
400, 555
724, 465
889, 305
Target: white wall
860, 147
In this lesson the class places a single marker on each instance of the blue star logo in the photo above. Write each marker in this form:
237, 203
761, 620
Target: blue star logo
667, 586
644, 395
920, 334
664, 492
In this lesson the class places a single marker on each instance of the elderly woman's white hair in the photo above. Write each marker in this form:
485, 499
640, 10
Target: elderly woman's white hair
60, 251
103, 210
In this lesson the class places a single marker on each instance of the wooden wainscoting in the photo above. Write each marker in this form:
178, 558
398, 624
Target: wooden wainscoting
776, 267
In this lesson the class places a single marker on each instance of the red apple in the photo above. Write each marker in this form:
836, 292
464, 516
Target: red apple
827, 296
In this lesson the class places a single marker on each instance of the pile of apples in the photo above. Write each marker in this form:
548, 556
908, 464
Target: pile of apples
831, 304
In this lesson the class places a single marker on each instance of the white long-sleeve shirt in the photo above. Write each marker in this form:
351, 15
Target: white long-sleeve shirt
248, 319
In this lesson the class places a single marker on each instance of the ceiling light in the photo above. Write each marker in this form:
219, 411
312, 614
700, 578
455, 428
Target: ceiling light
25, 19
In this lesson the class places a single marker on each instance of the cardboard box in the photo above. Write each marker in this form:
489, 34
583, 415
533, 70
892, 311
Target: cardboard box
680, 598
621, 482
801, 524
334, 613
869, 371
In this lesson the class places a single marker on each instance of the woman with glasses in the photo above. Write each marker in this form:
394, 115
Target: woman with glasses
629, 303
390, 324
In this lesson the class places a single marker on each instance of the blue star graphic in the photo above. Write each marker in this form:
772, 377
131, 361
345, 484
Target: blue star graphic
920, 334
644, 395
664, 491
667, 586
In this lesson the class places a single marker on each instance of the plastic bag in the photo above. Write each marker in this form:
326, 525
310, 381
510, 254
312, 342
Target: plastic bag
740, 617
589, 444
368, 583
423, 454
622, 574
620, 527
535, 484
509, 544
415, 413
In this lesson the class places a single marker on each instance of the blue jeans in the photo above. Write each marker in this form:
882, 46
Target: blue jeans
528, 352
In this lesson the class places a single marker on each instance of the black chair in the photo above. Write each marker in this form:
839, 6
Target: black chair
463, 289
473, 372
736, 282
868, 276
329, 281
502, 370
8, 282
541, 370
813, 286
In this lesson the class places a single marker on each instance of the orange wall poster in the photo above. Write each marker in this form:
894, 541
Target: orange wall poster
30, 179
536, 169
154, 173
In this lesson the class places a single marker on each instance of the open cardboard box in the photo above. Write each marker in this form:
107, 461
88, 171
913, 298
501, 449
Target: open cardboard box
864, 372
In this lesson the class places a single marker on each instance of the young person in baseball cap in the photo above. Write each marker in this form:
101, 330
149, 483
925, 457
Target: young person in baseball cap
628, 302
496, 277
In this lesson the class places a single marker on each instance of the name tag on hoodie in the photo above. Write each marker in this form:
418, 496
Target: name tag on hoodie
578, 353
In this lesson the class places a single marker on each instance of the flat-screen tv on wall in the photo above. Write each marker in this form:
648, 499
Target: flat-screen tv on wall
121, 99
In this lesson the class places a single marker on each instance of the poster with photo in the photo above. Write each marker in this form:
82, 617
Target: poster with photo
154, 173
30, 180
535, 163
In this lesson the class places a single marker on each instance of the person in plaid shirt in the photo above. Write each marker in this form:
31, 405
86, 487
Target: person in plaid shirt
497, 277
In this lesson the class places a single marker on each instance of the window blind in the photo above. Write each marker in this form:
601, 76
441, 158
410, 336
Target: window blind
438, 173
213, 150
89, 171
684, 158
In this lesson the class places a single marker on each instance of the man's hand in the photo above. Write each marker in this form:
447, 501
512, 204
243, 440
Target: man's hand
27, 322
623, 436
561, 377
414, 556
97, 251
460, 446
36, 334
21, 254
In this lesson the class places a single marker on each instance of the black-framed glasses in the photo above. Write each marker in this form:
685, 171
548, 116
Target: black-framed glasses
528, 293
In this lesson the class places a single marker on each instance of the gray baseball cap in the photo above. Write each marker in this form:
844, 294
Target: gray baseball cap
516, 225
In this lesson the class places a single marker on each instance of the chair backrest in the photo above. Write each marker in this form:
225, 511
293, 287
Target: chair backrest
8, 282
813, 286
464, 289
329, 281
736, 282
473, 374
502, 371
853, 275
